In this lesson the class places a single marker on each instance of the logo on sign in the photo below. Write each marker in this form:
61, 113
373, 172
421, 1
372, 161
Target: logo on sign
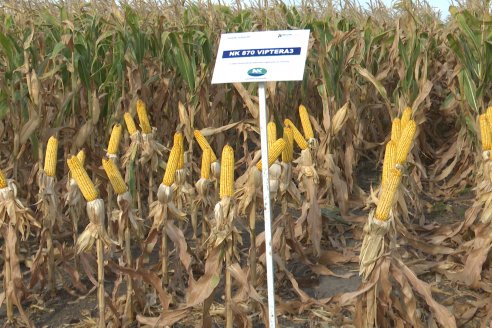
257, 71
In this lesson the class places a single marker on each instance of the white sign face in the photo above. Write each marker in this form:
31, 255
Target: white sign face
261, 56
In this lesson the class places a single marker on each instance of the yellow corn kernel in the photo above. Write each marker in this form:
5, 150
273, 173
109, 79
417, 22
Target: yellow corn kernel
273, 153
388, 195
288, 152
114, 139
81, 157
143, 117
130, 123
405, 142
206, 161
227, 172
3, 180
271, 133
406, 117
172, 165
389, 161
178, 140
489, 116
298, 137
79, 174
305, 122
396, 130
114, 176
484, 132
203, 143
51, 157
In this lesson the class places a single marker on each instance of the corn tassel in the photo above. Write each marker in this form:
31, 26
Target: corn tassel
50, 157
389, 161
172, 165
271, 133
388, 195
114, 139
143, 117
298, 137
130, 123
288, 152
305, 122
484, 132
273, 153
396, 130
227, 172
114, 176
206, 162
203, 143
79, 174
405, 143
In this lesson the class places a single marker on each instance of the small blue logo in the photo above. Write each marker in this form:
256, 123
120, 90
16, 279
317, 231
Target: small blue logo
257, 71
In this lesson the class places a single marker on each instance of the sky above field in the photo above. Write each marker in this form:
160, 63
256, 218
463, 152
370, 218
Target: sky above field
441, 5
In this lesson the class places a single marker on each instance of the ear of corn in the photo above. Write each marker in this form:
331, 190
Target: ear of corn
178, 140
288, 152
489, 115
271, 133
273, 153
51, 157
81, 157
484, 132
298, 137
203, 143
130, 123
388, 195
114, 139
389, 161
3, 180
80, 176
172, 165
114, 176
406, 117
206, 162
405, 142
143, 117
396, 129
305, 122
227, 172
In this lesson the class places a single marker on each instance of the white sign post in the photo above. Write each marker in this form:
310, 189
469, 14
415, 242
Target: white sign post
260, 57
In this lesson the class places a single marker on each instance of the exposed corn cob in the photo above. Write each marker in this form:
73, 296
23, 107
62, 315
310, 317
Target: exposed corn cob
484, 132
206, 161
172, 165
489, 116
80, 176
81, 157
114, 139
406, 117
227, 172
288, 152
305, 122
50, 157
178, 140
396, 130
203, 143
389, 161
273, 153
388, 195
405, 142
130, 123
143, 117
271, 133
114, 176
298, 137
3, 180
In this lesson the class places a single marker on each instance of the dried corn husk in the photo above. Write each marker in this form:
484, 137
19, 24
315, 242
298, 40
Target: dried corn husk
95, 229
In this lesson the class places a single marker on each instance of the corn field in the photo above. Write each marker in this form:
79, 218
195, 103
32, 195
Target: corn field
131, 187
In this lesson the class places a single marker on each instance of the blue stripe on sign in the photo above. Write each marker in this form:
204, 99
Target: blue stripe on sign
293, 51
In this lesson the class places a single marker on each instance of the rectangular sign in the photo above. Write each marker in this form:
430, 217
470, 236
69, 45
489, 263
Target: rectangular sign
261, 56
